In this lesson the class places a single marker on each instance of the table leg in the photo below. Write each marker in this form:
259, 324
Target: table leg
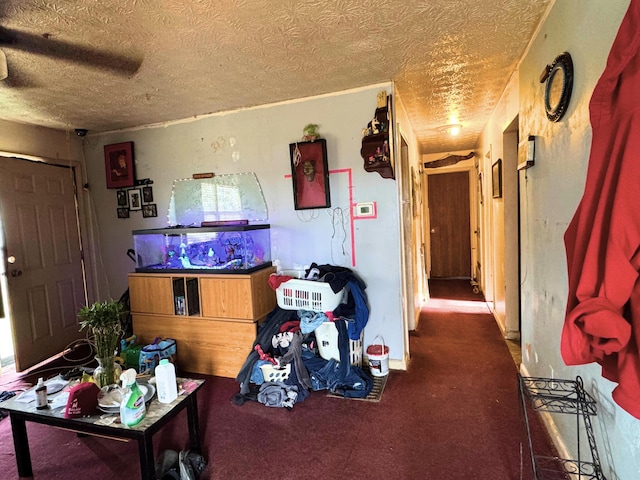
147, 463
192, 419
21, 446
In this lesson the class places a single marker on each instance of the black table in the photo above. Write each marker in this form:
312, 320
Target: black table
158, 414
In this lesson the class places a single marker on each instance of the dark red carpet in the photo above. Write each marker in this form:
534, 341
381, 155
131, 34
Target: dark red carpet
454, 414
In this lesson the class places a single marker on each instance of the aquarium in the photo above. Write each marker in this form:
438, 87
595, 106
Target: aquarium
219, 249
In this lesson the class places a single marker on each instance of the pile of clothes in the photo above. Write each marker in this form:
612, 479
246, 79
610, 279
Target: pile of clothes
287, 338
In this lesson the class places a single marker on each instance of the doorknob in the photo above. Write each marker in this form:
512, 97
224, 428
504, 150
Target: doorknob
433, 230
16, 273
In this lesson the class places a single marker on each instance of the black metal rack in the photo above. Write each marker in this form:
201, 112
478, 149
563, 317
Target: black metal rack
565, 397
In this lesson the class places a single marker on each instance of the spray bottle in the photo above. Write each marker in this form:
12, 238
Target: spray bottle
132, 407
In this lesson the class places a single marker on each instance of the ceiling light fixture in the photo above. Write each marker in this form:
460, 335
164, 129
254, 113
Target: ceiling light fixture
4, 70
452, 129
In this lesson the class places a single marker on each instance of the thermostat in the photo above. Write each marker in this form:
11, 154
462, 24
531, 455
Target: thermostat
365, 209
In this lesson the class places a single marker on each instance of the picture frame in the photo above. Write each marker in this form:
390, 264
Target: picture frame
147, 194
135, 199
119, 166
496, 178
123, 201
310, 175
123, 212
149, 210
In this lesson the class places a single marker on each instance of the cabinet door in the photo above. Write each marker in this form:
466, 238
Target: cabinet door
226, 297
151, 294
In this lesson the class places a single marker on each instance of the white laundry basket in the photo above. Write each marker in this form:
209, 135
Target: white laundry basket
327, 339
309, 295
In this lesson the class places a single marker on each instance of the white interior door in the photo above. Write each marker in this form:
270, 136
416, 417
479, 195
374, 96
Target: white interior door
42, 258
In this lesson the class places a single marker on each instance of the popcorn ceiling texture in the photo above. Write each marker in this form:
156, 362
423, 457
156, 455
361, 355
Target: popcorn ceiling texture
447, 57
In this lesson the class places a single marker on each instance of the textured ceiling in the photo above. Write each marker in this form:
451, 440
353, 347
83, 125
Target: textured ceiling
447, 57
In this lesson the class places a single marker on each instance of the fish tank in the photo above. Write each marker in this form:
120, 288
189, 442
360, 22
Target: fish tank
217, 249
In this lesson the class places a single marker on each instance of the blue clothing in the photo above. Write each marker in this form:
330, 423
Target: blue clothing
341, 377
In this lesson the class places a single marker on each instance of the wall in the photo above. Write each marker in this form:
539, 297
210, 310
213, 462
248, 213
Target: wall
257, 140
492, 211
549, 194
39, 142
415, 288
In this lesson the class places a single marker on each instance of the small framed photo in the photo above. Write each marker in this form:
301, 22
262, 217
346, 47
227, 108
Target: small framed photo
123, 212
118, 162
147, 194
150, 210
496, 178
310, 175
123, 201
135, 199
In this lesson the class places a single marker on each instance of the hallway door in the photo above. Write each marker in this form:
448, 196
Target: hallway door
43, 266
449, 225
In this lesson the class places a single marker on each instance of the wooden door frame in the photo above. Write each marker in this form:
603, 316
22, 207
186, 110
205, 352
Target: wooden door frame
466, 166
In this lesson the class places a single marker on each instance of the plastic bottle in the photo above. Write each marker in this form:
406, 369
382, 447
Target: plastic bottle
132, 407
166, 381
41, 395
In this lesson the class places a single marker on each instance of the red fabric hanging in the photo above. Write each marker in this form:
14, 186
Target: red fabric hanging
602, 241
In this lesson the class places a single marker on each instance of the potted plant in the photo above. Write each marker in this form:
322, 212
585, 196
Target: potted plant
104, 320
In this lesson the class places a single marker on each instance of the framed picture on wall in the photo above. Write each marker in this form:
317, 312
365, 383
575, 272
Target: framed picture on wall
496, 178
310, 175
118, 163
123, 212
150, 210
123, 201
135, 199
147, 194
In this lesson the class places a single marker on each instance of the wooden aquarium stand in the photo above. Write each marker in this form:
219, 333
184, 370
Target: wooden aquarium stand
213, 317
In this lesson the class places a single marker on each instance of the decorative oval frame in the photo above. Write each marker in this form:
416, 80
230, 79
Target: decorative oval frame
561, 70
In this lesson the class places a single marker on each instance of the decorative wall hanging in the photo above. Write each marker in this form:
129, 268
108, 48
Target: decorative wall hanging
448, 160
559, 84
496, 178
123, 212
119, 166
310, 175
376, 148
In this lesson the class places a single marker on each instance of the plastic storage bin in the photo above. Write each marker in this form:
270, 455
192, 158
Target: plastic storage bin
308, 295
327, 339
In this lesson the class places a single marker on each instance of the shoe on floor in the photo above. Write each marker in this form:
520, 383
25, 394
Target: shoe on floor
186, 470
197, 462
167, 460
192, 464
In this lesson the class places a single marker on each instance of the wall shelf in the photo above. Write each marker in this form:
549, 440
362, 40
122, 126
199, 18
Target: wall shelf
562, 397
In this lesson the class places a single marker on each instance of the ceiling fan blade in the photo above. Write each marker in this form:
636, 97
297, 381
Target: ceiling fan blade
47, 46
17, 78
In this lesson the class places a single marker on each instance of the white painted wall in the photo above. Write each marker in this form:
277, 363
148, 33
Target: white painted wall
550, 192
261, 138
